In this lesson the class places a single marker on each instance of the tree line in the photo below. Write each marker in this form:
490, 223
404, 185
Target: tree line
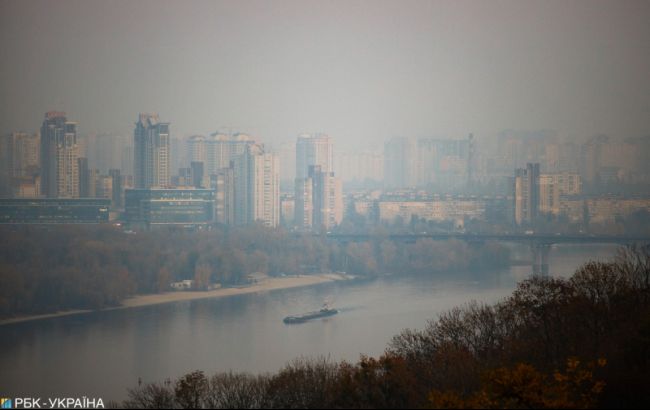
46, 269
581, 342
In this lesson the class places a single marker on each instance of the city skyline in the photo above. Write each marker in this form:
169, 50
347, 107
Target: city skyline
325, 204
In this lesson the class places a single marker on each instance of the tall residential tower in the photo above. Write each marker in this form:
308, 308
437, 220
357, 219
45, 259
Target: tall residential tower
527, 194
151, 161
59, 153
257, 187
318, 200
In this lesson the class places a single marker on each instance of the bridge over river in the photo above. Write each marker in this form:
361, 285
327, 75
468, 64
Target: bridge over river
540, 244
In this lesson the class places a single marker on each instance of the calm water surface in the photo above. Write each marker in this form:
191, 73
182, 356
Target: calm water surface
101, 354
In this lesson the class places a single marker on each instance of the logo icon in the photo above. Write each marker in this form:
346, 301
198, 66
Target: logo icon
5, 403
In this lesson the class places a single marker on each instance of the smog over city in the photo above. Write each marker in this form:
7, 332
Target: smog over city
324, 204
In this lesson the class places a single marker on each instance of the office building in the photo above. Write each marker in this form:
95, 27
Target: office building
185, 207
54, 211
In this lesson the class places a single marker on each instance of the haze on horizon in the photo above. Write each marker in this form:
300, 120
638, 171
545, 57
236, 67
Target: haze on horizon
361, 71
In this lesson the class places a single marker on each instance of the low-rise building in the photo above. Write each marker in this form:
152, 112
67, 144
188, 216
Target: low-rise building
448, 209
601, 210
187, 207
54, 210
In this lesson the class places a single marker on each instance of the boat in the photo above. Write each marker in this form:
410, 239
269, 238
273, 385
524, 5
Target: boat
325, 311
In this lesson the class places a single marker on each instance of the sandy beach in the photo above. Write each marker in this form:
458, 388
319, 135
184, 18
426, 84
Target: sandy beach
265, 285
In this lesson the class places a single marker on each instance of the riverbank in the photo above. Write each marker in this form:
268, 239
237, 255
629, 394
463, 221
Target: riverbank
266, 285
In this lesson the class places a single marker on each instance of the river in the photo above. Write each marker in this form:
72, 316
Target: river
101, 354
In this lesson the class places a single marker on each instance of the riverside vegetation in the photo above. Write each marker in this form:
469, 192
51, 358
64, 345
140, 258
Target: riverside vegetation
582, 342
46, 269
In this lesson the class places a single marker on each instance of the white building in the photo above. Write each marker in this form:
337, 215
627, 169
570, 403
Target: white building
257, 187
217, 150
552, 186
319, 196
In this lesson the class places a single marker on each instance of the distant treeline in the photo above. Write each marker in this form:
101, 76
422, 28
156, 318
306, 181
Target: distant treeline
52, 268
582, 342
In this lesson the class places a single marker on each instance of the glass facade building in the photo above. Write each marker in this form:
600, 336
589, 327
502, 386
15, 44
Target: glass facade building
169, 206
54, 210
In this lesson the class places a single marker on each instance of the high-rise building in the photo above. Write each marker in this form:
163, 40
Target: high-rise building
361, 166
178, 153
84, 178
21, 153
151, 163
400, 163
266, 189
59, 154
317, 190
118, 188
443, 163
549, 195
19, 160
327, 198
93, 182
198, 175
127, 161
552, 186
223, 184
217, 150
257, 187
526, 194
313, 149
105, 151
195, 148
5, 186
104, 187
591, 154
243, 175
222, 149
287, 155
304, 203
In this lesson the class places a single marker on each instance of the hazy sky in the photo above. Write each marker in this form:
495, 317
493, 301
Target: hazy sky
360, 71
